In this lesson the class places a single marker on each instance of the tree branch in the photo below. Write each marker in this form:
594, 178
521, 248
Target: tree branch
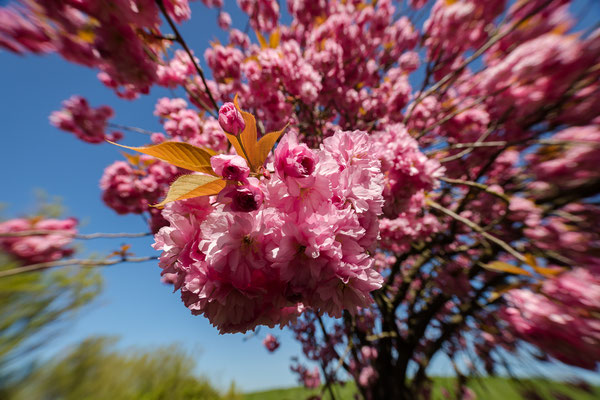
181, 41
129, 128
41, 232
477, 185
477, 229
66, 263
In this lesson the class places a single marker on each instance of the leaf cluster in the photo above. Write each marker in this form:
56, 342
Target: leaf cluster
197, 159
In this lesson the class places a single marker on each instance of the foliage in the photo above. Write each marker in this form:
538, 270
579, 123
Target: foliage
96, 369
33, 308
37, 306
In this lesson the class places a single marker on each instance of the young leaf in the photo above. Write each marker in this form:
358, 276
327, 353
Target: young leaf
530, 260
499, 266
236, 144
266, 143
87, 35
189, 186
246, 144
261, 40
134, 159
248, 147
182, 155
547, 272
274, 39
270, 41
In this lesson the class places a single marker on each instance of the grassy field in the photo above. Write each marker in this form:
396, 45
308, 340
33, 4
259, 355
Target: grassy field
486, 389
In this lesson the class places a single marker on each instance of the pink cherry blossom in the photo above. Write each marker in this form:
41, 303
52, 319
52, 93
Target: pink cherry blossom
231, 167
38, 248
271, 343
87, 123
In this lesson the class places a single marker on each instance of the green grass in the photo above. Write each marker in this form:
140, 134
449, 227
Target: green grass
300, 393
486, 389
504, 389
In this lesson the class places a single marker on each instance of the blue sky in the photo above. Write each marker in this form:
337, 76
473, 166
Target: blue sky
134, 304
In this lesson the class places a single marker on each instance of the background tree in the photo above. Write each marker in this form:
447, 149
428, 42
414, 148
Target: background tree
95, 369
35, 307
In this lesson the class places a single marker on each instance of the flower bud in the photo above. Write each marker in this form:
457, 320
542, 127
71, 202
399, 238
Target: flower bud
231, 119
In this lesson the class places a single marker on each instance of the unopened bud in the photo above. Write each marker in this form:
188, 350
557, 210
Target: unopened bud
231, 119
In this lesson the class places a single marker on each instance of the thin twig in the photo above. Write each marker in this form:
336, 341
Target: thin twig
129, 128
342, 358
182, 42
497, 143
470, 149
477, 229
41, 232
66, 263
195, 96
500, 143
170, 38
477, 185
456, 112
382, 335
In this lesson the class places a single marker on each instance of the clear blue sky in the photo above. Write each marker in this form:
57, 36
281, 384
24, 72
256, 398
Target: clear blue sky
134, 304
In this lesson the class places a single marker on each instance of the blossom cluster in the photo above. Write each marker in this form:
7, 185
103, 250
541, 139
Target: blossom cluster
576, 165
271, 343
115, 38
51, 244
310, 378
408, 171
271, 248
85, 122
135, 185
561, 319
264, 14
132, 188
